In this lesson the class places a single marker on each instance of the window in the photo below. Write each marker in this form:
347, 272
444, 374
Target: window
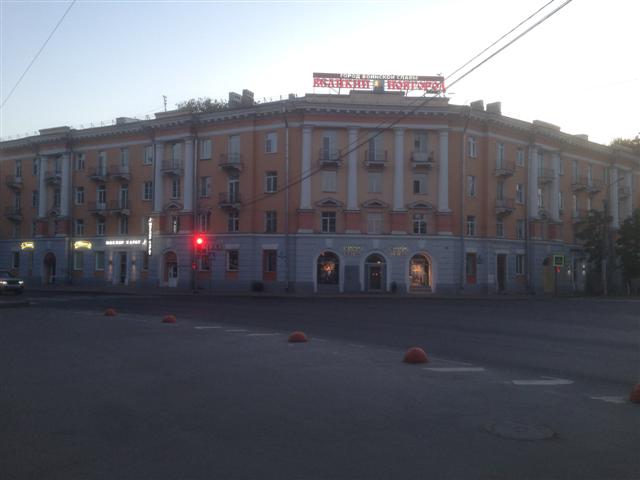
176, 154
35, 198
374, 223
500, 190
233, 222
102, 163
420, 183
99, 260
420, 142
271, 222
80, 160
471, 146
519, 264
271, 142
328, 222
271, 182
100, 227
560, 166
15, 260
79, 230
233, 260
574, 169
471, 268
58, 164
78, 260
375, 182
575, 204
205, 149
376, 148
520, 229
234, 148
204, 221
102, 196
234, 188
124, 225
589, 174
471, 225
17, 201
203, 262
270, 261
471, 185
175, 187
589, 203
499, 229
35, 166
205, 187
147, 192
124, 196
34, 228
329, 151
561, 201
18, 168
329, 180
519, 193
540, 198
175, 224
500, 155
56, 198
79, 195
419, 224
148, 155
124, 159
520, 157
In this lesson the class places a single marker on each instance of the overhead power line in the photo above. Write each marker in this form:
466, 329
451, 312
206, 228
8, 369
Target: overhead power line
38, 54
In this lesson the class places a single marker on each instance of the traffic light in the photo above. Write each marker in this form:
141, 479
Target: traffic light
199, 243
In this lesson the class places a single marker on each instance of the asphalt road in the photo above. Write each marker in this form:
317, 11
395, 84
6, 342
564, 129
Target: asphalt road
514, 388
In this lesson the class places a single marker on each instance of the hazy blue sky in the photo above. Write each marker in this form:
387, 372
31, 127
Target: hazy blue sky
579, 70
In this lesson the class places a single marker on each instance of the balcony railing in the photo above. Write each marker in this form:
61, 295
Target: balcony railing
13, 213
579, 183
546, 175
505, 169
375, 158
623, 191
504, 206
173, 166
13, 181
230, 161
119, 171
422, 159
97, 208
98, 174
594, 186
53, 176
329, 157
119, 207
229, 200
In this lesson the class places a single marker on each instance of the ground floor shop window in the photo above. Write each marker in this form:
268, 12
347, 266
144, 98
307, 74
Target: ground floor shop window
99, 259
78, 260
472, 268
419, 272
328, 269
233, 260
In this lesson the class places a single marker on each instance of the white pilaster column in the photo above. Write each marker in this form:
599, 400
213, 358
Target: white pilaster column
158, 157
554, 202
65, 186
188, 174
443, 172
42, 187
629, 184
532, 186
613, 198
352, 171
398, 170
305, 187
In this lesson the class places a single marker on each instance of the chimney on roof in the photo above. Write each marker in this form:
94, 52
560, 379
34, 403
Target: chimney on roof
292, 96
235, 100
494, 107
477, 105
247, 98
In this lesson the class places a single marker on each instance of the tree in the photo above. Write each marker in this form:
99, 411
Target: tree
202, 105
594, 232
632, 143
628, 246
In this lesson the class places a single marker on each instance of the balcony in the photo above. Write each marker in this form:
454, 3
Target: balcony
579, 183
120, 172
505, 169
594, 186
231, 200
623, 191
14, 182
375, 159
505, 206
53, 177
173, 167
231, 162
579, 215
97, 208
13, 213
329, 158
422, 159
98, 174
545, 175
119, 208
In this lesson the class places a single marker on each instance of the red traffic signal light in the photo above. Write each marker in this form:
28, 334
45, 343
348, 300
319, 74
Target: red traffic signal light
199, 243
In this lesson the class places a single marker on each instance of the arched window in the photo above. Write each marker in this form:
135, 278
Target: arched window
328, 269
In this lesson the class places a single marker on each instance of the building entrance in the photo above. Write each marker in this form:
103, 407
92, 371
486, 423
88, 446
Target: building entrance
375, 273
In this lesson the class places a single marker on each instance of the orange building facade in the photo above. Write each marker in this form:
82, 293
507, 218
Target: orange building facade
363, 192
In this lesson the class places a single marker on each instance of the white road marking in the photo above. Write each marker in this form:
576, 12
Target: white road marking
239, 330
262, 334
455, 369
206, 327
446, 360
543, 383
319, 339
611, 399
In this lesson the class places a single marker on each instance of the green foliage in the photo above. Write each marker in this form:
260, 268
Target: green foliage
632, 143
628, 246
593, 233
202, 105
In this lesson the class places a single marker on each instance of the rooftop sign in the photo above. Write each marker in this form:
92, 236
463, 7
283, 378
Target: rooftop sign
380, 82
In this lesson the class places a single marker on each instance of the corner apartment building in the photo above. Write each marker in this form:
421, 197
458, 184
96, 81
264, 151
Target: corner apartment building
366, 191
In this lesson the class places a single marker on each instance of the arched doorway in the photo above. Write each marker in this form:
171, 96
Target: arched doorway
49, 268
170, 269
328, 272
420, 273
375, 273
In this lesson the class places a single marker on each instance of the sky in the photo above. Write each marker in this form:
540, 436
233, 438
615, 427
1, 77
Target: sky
579, 70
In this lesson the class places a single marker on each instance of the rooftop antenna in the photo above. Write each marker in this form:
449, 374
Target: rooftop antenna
164, 97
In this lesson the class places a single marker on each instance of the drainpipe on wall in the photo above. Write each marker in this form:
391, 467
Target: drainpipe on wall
286, 200
194, 199
527, 218
462, 196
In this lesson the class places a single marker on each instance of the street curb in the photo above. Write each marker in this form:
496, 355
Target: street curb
15, 304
